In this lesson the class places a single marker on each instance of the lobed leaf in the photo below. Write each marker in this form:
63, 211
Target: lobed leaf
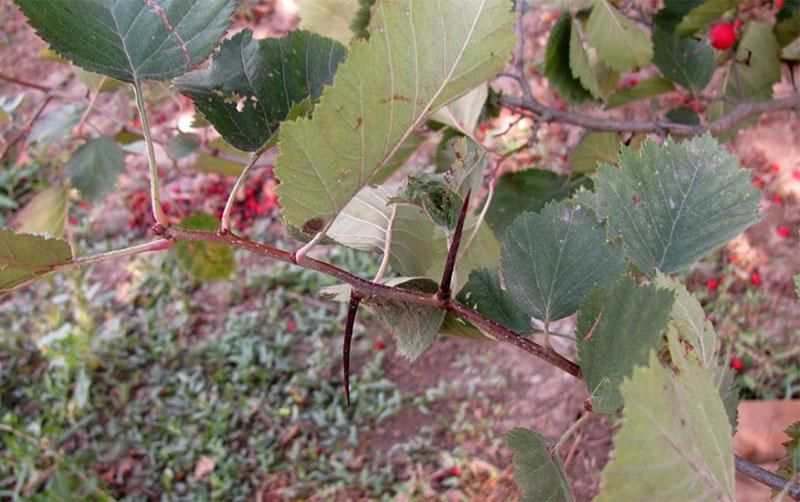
674, 203
558, 62
207, 261
131, 40
45, 213
551, 260
484, 294
687, 62
24, 257
384, 90
537, 472
619, 42
251, 85
95, 167
675, 442
616, 331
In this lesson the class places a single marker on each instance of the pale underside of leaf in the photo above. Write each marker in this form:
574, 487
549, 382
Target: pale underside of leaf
46, 213
23, 257
386, 88
330, 18
675, 442
619, 42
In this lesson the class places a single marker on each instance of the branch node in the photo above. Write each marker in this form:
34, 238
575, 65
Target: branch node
159, 229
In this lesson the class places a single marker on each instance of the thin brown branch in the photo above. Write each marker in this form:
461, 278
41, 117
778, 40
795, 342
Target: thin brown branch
450, 264
767, 478
24, 83
742, 112
25, 129
352, 310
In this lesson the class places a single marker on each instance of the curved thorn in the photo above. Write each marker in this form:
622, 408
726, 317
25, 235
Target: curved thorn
452, 253
352, 309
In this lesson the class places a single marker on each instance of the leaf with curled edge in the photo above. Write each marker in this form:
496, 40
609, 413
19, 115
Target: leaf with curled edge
421, 56
24, 257
251, 85
131, 40
538, 473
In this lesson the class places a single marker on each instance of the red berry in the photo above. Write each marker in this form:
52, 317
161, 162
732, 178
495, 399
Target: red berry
378, 345
777, 199
722, 36
779, 4
633, 82
737, 24
759, 182
291, 326
162, 117
165, 206
712, 284
774, 168
783, 231
73, 221
455, 471
755, 278
485, 127
796, 174
737, 364
696, 106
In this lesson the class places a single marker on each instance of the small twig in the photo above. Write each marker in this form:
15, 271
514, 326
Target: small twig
352, 310
155, 196
482, 215
24, 83
571, 429
89, 107
450, 264
767, 478
225, 222
24, 130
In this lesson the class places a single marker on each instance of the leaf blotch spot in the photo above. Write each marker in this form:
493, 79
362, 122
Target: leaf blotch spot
313, 226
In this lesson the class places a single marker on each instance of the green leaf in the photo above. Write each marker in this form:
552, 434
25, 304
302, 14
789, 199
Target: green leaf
580, 66
45, 213
674, 203
134, 39
182, 145
404, 152
463, 114
484, 294
329, 18
759, 67
595, 147
368, 221
687, 62
95, 81
207, 261
415, 326
703, 15
690, 322
557, 63
385, 89
675, 442
648, 88
539, 474
463, 162
251, 85
788, 29
527, 191
433, 194
94, 168
683, 115
616, 331
789, 466
55, 124
551, 260
24, 257
619, 42
218, 165
673, 12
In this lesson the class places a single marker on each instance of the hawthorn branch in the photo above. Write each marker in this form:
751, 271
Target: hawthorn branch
742, 112
767, 478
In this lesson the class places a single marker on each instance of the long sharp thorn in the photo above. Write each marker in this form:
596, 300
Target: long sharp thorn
355, 299
452, 253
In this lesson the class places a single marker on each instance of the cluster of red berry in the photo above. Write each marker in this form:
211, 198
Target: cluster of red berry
258, 201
